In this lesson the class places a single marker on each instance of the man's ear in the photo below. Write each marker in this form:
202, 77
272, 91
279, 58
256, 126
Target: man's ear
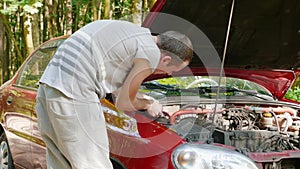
166, 59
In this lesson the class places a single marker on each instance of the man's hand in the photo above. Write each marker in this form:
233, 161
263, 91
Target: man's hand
155, 109
152, 106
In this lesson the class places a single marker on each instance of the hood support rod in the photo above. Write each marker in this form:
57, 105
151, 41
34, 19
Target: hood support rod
210, 140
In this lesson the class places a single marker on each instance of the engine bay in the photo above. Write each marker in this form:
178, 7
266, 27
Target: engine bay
251, 128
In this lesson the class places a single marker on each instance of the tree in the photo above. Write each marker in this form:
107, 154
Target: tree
69, 20
3, 44
107, 9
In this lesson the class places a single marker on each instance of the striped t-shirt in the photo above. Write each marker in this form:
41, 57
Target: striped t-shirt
96, 59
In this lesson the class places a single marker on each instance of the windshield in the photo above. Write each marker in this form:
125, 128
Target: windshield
203, 86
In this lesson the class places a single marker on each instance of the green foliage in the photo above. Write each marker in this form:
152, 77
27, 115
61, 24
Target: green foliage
293, 93
32, 9
29, 6
190, 82
46, 19
181, 82
12, 6
121, 9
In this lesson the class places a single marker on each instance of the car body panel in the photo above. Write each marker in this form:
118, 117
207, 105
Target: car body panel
264, 39
263, 34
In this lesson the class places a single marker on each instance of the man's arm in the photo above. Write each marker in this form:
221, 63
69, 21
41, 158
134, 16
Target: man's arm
127, 98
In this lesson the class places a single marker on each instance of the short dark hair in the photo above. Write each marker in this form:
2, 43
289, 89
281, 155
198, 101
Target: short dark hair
176, 45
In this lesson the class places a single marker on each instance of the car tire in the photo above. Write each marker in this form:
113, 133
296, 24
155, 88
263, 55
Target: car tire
6, 161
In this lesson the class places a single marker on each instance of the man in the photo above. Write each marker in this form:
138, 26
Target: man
102, 57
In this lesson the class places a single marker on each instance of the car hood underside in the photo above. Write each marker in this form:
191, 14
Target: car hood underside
262, 35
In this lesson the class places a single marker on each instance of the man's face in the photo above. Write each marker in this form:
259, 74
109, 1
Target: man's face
165, 68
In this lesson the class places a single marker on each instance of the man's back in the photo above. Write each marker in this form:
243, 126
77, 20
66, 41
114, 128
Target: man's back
96, 59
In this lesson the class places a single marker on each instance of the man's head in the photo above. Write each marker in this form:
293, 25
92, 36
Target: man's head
176, 52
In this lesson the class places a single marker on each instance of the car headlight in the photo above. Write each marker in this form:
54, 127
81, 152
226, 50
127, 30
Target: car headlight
206, 156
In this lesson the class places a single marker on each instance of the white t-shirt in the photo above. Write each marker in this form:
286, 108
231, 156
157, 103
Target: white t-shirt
96, 59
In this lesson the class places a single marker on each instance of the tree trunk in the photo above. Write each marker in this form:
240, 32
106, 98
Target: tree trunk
136, 12
35, 23
107, 9
96, 9
86, 15
68, 14
45, 20
11, 36
54, 23
22, 40
50, 14
3, 57
76, 16
28, 34
151, 3
144, 9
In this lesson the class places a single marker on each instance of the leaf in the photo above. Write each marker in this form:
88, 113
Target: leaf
30, 9
37, 4
293, 94
11, 9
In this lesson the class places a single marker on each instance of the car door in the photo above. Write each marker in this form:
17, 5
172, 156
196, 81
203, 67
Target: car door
20, 116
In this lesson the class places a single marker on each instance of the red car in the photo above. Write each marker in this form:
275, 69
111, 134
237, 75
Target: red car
227, 110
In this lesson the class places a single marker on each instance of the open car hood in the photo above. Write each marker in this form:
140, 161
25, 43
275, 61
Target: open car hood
263, 37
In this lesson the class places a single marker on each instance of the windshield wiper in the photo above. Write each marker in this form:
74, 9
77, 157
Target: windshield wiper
251, 93
231, 91
156, 85
171, 90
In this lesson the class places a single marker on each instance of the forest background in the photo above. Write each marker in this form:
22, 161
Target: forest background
25, 24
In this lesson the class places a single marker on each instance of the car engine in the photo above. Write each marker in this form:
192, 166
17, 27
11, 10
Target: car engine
249, 128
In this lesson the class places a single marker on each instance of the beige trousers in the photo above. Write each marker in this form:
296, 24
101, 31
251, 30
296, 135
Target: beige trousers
74, 132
